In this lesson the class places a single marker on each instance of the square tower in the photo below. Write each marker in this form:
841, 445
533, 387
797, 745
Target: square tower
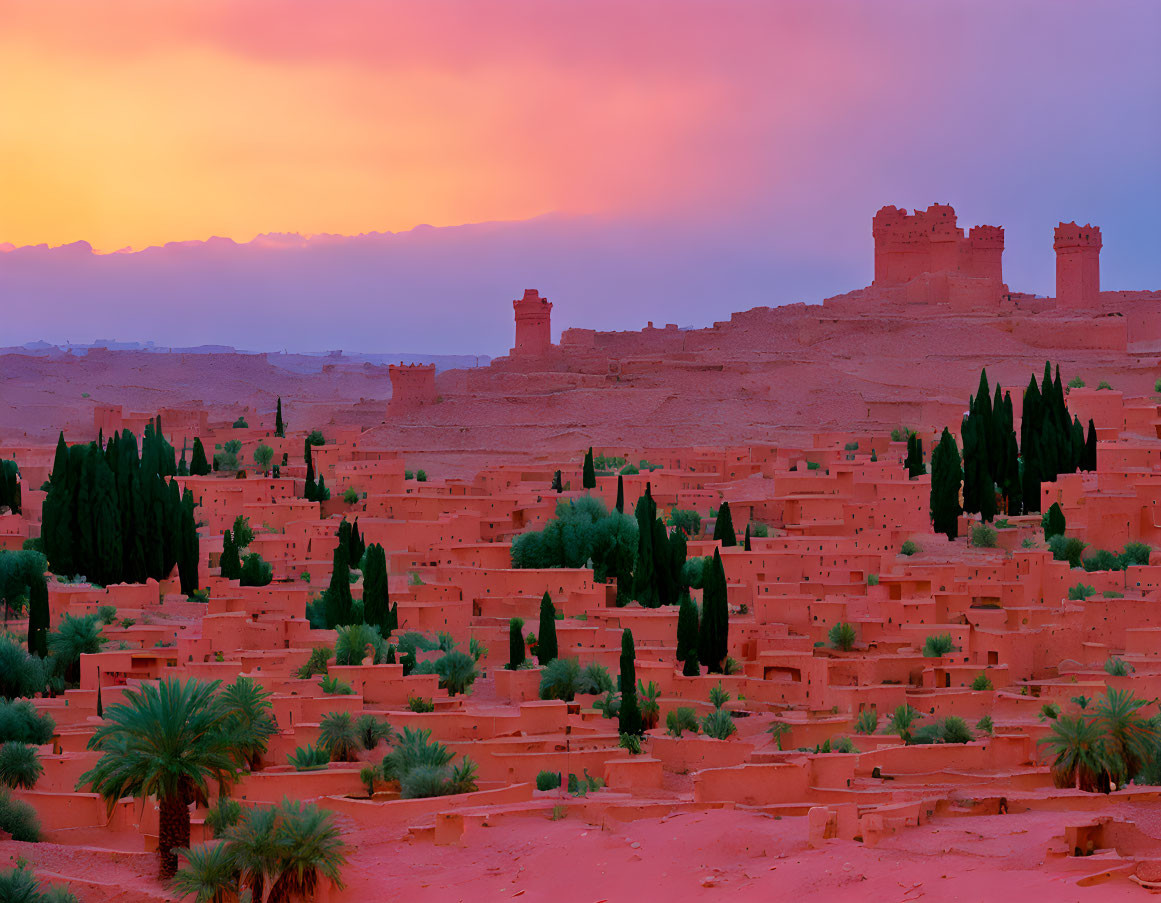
1078, 265
533, 325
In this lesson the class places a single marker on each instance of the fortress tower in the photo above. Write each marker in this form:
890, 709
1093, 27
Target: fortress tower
1078, 265
908, 245
412, 386
533, 325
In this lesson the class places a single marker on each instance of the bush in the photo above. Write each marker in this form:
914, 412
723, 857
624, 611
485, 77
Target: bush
718, 697
718, 724
19, 765
240, 423
908, 548
947, 730
1135, 553
872, 579
223, 815
107, 614
350, 495
938, 644
256, 571
1076, 383
1080, 592
679, 720
315, 438
561, 679
316, 664
867, 722
812, 465
689, 522
1117, 667
842, 636
371, 730
548, 780
595, 678
21, 674
1103, 385
419, 704
423, 782
1066, 548
332, 686
632, 743
18, 819
457, 672
21, 723
758, 529
339, 736
984, 536
982, 682
421, 476
309, 757
984, 725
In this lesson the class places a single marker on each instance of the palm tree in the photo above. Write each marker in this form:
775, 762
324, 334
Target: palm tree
1129, 735
72, 639
209, 874
166, 740
282, 851
778, 729
457, 672
19, 765
352, 642
647, 701
560, 679
249, 720
901, 721
372, 730
1081, 759
339, 736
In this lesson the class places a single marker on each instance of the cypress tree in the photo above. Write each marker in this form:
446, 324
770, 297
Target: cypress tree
663, 564
358, 547
84, 547
100, 704
746, 543
153, 493
916, 466
620, 506
321, 493
182, 466
546, 649
337, 601
1030, 445
173, 527
56, 524
724, 526
1090, 448
279, 425
1055, 524
629, 716
1076, 457
686, 628
376, 597
38, 616
678, 550
971, 460
187, 565
1012, 477
106, 523
946, 476
588, 472
691, 668
311, 493
199, 465
515, 643
231, 566
713, 634
557, 486
644, 587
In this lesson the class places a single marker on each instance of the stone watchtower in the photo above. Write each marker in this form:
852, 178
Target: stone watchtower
533, 325
412, 386
1078, 265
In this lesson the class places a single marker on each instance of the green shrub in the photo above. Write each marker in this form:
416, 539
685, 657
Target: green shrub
1118, 667
421, 476
20, 722
758, 529
851, 446
423, 782
223, 815
419, 704
1080, 592
107, 614
1103, 385
680, 720
872, 579
812, 465
560, 679
867, 722
316, 664
842, 636
457, 672
21, 674
350, 495
938, 644
982, 682
332, 686
1050, 711
547, 780
984, 725
718, 724
19, 765
339, 736
372, 730
908, 548
595, 678
18, 819
984, 536
1076, 383
309, 758
240, 423
689, 522
951, 729
632, 743
256, 571
718, 697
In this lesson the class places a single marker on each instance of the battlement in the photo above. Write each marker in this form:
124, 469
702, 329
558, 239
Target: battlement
1070, 235
412, 386
908, 245
533, 324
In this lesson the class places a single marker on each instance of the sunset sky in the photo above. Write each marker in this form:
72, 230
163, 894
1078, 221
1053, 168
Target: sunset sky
754, 128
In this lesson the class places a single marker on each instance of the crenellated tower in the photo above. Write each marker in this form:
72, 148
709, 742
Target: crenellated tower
533, 325
1078, 265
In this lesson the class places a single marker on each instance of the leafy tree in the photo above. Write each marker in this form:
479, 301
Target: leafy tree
516, 655
724, 527
629, 717
686, 521
352, 642
263, 457
165, 740
867, 722
243, 532
546, 647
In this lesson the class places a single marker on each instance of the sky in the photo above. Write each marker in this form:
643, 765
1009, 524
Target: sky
668, 161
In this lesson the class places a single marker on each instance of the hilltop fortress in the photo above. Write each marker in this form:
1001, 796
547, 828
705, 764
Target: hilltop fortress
905, 349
